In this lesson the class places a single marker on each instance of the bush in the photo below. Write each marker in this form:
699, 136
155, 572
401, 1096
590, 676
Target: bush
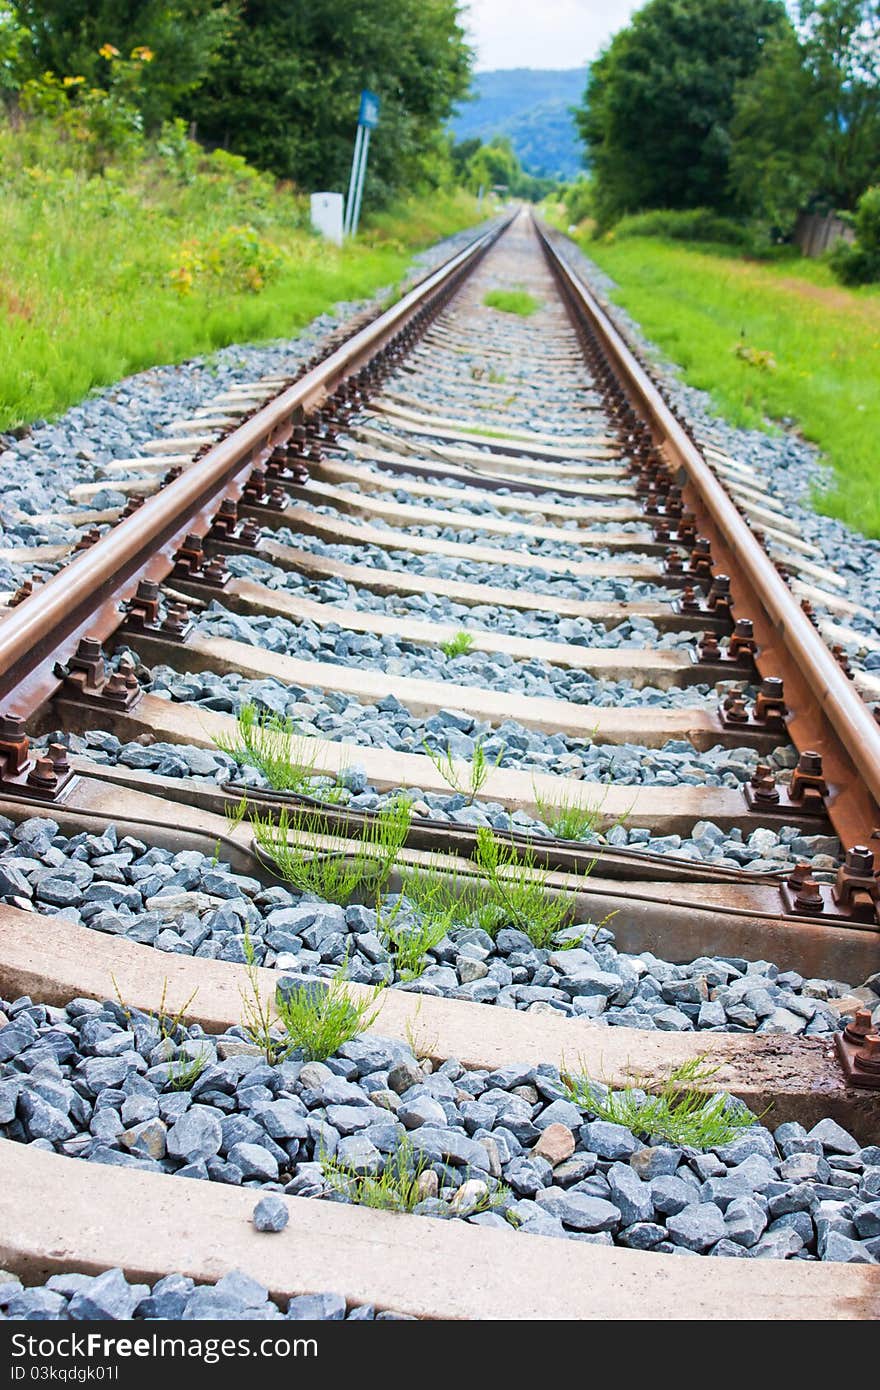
578, 200
690, 224
859, 263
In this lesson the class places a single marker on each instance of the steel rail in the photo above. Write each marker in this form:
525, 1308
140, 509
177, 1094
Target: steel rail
84, 597
791, 646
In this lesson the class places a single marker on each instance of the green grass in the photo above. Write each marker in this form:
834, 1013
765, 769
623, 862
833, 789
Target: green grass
397, 1187
680, 1112
334, 875
313, 1019
470, 784
459, 645
567, 816
512, 302
318, 1020
717, 315
168, 257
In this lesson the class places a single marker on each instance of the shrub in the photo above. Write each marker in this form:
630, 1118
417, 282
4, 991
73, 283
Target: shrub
859, 263
689, 224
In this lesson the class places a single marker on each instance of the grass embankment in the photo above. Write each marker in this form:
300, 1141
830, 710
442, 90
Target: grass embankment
176, 254
774, 340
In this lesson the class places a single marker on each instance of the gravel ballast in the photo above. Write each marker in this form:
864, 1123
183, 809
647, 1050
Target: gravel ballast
507, 1148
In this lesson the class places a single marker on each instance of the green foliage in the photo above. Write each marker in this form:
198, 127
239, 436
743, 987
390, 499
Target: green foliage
270, 743
87, 295
478, 769
660, 99
314, 1018
285, 90
184, 37
825, 340
567, 816
577, 199
685, 224
495, 166
512, 302
459, 645
859, 264
334, 875
185, 1072
409, 942
517, 890
318, 1017
681, 1112
395, 1188
807, 126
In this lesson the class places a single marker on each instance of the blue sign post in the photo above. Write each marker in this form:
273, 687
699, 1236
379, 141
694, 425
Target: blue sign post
368, 119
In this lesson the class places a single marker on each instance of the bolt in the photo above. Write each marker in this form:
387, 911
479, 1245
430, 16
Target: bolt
58, 757
808, 898
42, 774
859, 1026
799, 875
868, 1056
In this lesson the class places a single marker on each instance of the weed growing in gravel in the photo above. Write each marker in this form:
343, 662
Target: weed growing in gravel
334, 875
259, 1022
478, 769
167, 1023
567, 816
318, 1017
396, 1188
410, 943
314, 1018
511, 890
185, 1072
459, 645
518, 889
679, 1112
270, 743
512, 302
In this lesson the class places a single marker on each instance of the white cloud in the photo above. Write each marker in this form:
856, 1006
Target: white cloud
542, 33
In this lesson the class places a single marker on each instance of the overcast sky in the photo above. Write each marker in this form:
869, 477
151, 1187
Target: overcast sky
543, 33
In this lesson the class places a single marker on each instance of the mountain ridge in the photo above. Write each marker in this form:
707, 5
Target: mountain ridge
531, 107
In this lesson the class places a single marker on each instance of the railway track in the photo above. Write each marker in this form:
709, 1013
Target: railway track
465, 594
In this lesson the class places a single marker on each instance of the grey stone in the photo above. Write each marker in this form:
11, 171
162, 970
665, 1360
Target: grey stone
608, 1140
271, 1214
697, 1227
196, 1135
254, 1161
833, 1138
315, 1307
745, 1221
843, 1250
580, 1212
630, 1195
109, 1296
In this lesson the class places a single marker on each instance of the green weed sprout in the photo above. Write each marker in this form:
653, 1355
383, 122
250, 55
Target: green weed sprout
679, 1112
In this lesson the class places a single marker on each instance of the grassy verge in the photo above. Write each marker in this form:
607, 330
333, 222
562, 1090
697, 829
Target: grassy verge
777, 341
178, 253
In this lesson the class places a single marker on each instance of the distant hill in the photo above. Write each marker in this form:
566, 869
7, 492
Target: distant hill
531, 107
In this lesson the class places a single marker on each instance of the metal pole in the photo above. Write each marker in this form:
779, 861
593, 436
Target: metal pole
353, 181
360, 187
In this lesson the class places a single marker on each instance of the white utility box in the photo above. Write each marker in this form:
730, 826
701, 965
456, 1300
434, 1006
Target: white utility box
327, 212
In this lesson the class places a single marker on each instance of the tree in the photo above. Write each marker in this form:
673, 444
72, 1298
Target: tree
806, 130
286, 92
660, 98
184, 37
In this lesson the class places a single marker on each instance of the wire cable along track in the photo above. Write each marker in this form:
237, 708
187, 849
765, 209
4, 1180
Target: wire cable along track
455, 688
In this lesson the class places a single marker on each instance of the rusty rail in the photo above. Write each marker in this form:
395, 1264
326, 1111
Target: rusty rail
84, 597
826, 713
